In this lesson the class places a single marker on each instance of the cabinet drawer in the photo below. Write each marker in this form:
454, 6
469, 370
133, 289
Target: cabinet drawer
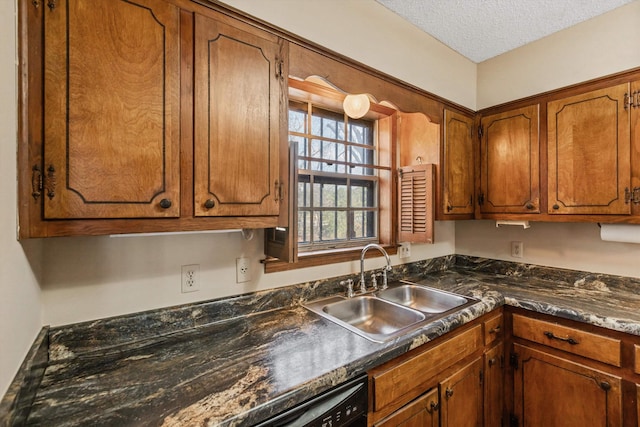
404, 380
493, 329
586, 344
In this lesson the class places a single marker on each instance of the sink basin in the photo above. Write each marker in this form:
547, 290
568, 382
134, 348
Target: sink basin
368, 316
424, 299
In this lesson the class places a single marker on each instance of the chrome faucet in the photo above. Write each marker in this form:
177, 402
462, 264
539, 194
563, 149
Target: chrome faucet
363, 284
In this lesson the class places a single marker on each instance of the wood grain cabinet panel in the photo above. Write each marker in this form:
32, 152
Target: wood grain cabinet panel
392, 385
111, 109
589, 153
422, 412
461, 397
458, 165
582, 343
238, 82
552, 391
638, 402
494, 386
510, 162
493, 329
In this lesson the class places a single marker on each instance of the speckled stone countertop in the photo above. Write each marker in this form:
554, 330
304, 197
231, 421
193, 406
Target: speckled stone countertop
240, 360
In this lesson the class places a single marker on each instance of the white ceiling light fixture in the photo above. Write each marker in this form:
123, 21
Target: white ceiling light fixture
356, 106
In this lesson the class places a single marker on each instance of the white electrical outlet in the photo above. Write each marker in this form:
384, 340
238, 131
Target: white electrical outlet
243, 271
404, 250
517, 249
190, 276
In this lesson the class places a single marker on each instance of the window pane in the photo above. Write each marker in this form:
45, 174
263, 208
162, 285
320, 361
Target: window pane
327, 124
333, 226
302, 149
304, 193
304, 227
363, 224
363, 156
363, 194
360, 132
297, 121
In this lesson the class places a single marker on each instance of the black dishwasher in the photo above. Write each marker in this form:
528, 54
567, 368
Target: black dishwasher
341, 406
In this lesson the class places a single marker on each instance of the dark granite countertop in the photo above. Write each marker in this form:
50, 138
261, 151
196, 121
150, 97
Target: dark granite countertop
240, 360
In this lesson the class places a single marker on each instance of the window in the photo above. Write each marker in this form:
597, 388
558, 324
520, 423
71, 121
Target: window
337, 178
341, 193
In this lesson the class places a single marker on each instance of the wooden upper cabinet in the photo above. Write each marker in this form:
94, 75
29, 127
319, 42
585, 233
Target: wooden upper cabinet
510, 162
458, 165
635, 146
589, 153
239, 80
111, 110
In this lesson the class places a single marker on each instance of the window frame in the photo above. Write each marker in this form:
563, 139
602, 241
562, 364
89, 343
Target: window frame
325, 96
324, 174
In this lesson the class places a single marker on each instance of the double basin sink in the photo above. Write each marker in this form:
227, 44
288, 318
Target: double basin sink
388, 313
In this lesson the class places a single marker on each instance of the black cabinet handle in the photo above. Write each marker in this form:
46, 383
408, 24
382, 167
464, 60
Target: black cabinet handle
165, 203
209, 203
551, 336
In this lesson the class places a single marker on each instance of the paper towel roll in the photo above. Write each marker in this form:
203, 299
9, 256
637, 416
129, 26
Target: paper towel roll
627, 233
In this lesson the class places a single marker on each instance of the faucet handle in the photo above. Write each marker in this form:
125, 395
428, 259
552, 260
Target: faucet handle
374, 282
384, 277
349, 283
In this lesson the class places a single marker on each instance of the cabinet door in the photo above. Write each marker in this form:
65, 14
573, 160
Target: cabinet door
589, 153
422, 412
510, 162
635, 146
458, 174
238, 84
111, 109
552, 391
494, 386
461, 397
638, 401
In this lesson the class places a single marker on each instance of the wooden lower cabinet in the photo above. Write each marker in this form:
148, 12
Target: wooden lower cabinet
422, 412
553, 391
461, 397
494, 386
442, 383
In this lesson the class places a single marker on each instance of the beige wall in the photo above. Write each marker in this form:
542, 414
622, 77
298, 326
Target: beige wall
20, 315
572, 246
600, 46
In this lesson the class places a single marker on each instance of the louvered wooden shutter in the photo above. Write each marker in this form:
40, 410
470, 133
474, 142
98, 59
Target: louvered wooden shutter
416, 200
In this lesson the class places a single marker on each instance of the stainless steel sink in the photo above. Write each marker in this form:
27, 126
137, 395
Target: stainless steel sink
386, 314
427, 300
368, 316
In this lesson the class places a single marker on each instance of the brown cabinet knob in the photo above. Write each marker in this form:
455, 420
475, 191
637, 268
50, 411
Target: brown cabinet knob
209, 204
165, 203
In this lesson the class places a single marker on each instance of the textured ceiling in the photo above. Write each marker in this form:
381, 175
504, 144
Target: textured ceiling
482, 29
